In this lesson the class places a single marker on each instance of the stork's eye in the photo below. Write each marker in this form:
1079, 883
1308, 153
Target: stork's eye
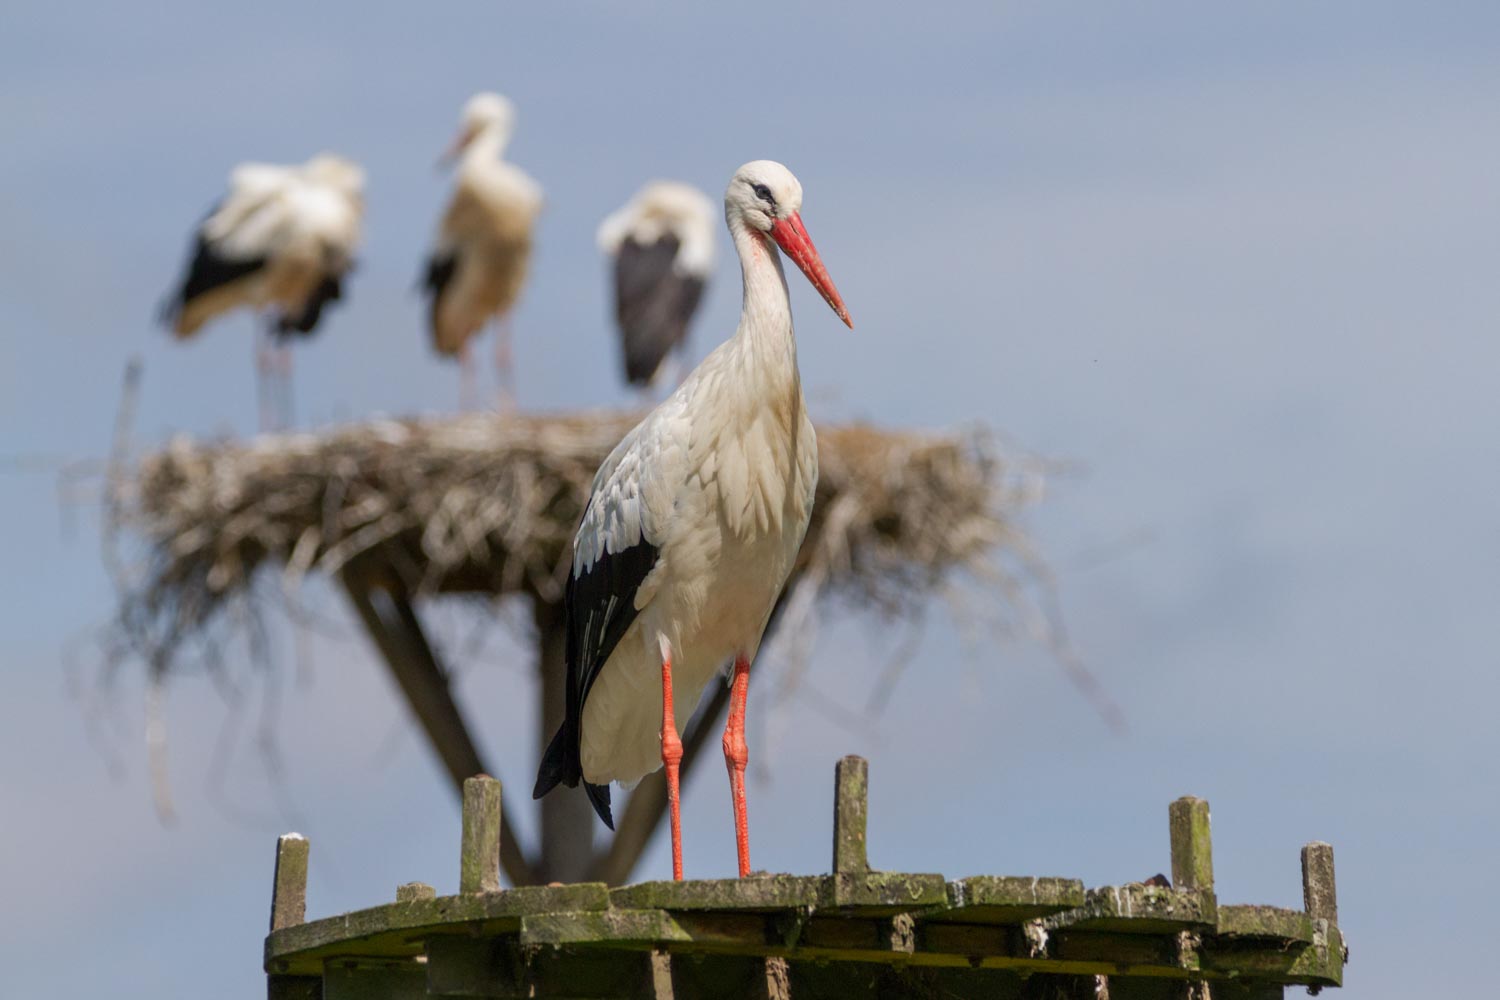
763, 193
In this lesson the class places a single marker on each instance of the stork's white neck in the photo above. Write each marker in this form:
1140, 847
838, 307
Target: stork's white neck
486, 147
765, 336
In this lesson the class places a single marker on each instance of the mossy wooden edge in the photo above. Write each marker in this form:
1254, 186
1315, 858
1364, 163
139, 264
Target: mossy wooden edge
1138, 908
1269, 922
1007, 899
388, 930
883, 893
870, 893
1320, 963
639, 928
756, 893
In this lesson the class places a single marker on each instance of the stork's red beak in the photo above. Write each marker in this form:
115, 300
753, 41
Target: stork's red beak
791, 235
461, 140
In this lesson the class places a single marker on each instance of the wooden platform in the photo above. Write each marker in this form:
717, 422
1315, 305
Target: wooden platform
854, 933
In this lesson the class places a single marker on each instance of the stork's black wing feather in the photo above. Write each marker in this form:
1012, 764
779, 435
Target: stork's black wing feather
600, 607
653, 304
330, 289
441, 267
209, 268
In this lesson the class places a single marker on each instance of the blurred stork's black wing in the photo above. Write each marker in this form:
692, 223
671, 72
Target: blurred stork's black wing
209, 268
442, 265
653, 304
302, 323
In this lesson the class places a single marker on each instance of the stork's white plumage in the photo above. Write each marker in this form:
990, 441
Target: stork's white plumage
281, 241
662, 242
478, 265
691, 529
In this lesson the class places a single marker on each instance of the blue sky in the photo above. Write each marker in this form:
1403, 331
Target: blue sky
1235, 265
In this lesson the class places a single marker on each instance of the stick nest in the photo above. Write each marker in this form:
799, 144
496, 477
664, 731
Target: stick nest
488, 505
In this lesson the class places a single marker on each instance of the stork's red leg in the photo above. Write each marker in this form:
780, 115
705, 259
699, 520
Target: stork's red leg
671, 757
505, 374
736, 754
466, 394
265, 371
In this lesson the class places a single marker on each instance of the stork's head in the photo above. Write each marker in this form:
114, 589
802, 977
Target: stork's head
337, 172
764, 197
487, 116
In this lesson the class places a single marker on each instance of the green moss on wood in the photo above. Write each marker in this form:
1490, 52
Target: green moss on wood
1266, 922
1135, 908
1007, 899
608, 927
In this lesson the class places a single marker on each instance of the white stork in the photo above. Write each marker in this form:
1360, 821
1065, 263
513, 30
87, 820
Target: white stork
281, 241
691, 528
477, 268
662, 242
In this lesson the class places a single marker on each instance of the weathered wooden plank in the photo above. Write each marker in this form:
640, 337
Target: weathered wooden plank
1267, 922
289, 883
459, 965
885, 893
412, 891
1319, 893
479, 857
294, 988
1320, 963
1005, 899
851, 809
361, 980
389, 929
607, 927
757, 892
1192, 844
1135, 908
746, 933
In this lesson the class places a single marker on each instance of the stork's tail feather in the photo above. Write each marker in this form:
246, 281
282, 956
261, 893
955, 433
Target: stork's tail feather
560, 767
599, 797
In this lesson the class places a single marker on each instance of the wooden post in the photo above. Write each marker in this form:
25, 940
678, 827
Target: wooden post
851, 808
1319, 895
289, 889
1192, 844
413, 891
479, 860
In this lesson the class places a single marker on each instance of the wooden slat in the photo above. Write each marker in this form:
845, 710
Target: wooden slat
289, 884
851, 809
479, 855
1319, 893
1002, 899
1192, 844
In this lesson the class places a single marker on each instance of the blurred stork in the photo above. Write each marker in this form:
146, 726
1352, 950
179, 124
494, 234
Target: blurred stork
691, 529
662, 242
281, 242
476, 270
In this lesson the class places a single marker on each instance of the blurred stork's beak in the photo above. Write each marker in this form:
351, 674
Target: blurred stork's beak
791, 235
462, 139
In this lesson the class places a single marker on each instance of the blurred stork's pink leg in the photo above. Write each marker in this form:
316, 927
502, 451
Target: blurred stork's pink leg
466, 391
265, 390
505, 374
286, 401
